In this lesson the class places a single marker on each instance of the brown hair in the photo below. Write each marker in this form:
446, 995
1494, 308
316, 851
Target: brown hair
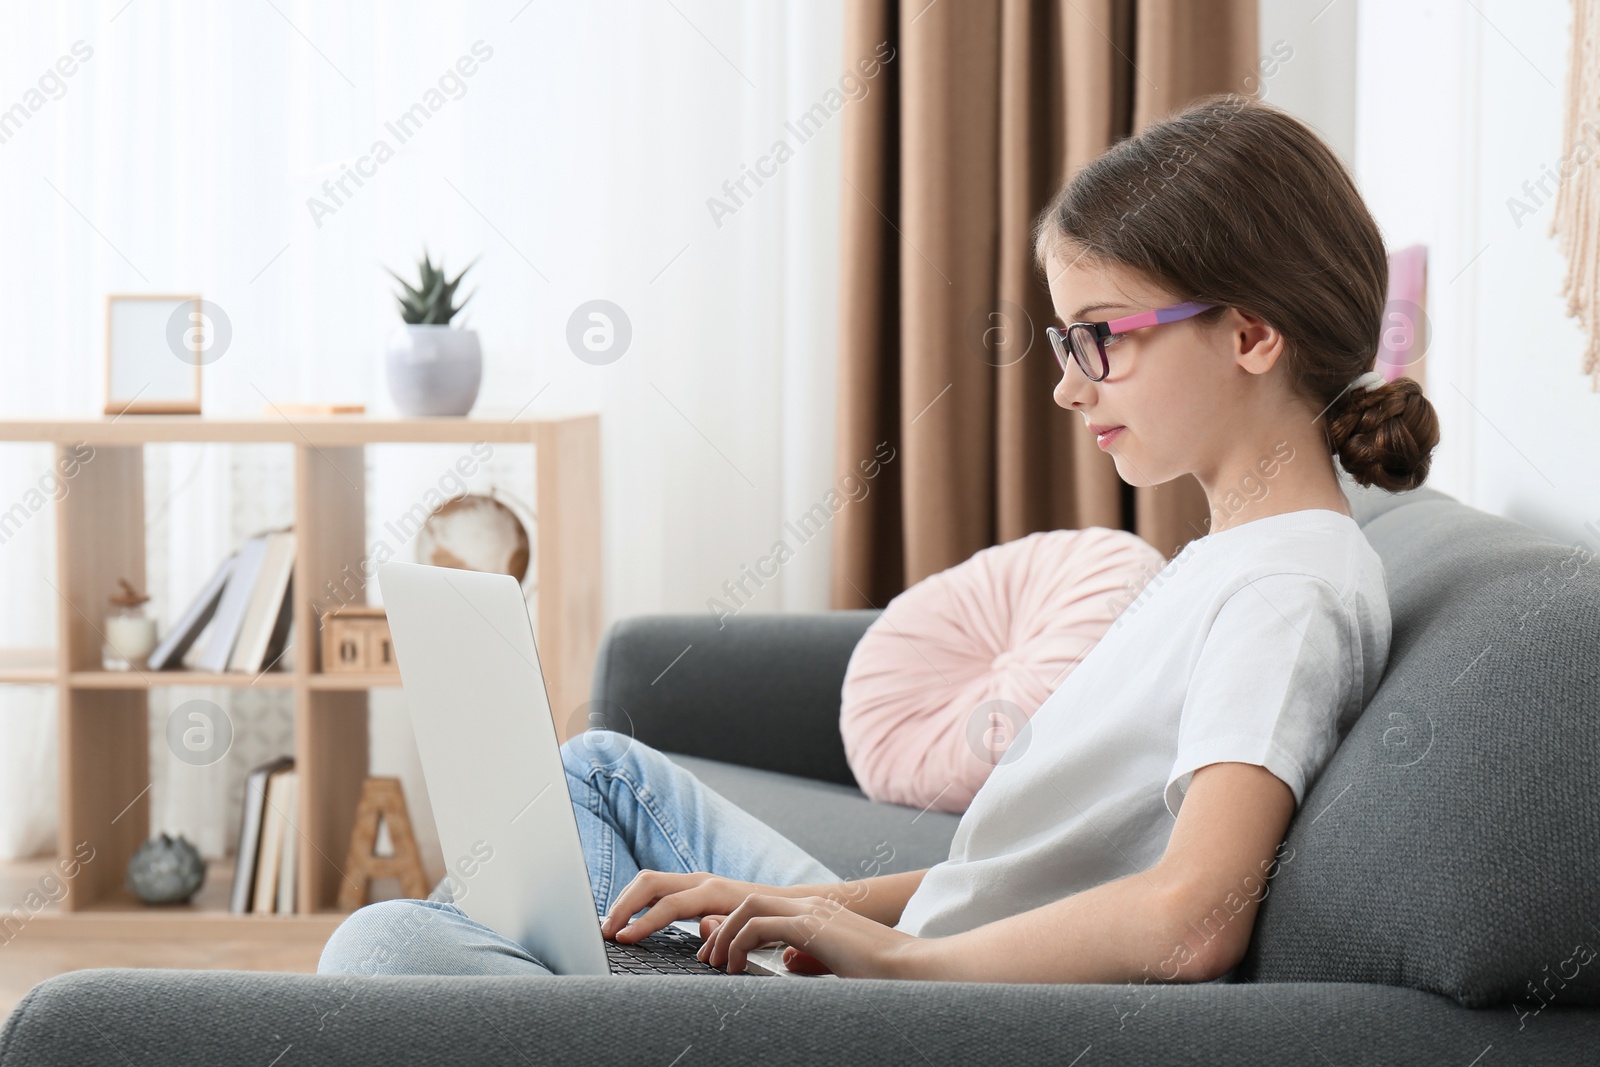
1234, 202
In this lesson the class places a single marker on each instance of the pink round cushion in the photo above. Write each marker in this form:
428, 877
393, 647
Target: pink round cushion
946, 677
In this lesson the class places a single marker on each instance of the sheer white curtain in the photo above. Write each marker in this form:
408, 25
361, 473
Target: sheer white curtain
195, 150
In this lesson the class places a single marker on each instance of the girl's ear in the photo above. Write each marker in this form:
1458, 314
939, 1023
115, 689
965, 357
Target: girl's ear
1257, 344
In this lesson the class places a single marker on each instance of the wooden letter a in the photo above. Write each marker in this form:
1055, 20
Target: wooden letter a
381, 797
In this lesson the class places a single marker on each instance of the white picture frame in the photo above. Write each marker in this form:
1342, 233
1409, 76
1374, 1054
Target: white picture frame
144, 374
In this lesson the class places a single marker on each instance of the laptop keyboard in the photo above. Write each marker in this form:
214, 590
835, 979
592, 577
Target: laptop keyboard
667, 951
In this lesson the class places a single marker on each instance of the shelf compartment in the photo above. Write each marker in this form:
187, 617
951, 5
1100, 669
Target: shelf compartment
105, 764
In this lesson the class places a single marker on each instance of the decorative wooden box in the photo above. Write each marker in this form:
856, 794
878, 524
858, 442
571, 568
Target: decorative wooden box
355, 640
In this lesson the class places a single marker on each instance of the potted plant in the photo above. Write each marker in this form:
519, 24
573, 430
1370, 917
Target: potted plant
433, 367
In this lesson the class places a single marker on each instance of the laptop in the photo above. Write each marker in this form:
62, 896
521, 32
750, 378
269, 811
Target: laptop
487, 741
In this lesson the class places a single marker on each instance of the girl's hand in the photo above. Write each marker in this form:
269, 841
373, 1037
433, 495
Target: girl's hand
796, 960
672, 896
824, 936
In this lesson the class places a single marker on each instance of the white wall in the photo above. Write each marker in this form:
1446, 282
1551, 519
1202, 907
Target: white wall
1317, 82
577, 161
1455, 106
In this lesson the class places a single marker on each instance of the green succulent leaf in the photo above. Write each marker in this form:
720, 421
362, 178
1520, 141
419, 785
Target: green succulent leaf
431, 302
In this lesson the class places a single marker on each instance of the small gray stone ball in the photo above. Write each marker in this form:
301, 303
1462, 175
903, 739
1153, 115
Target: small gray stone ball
166, 870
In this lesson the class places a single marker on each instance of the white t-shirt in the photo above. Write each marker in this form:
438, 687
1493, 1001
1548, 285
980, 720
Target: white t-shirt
1258, 644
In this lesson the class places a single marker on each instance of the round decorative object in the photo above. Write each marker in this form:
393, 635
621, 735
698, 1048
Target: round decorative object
946, 679
434, 370
166, 870
474, 532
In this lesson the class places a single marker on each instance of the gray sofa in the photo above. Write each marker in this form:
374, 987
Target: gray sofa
1438, 905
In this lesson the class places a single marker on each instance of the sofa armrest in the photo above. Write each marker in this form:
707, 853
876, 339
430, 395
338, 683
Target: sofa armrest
121, 1016
757, 690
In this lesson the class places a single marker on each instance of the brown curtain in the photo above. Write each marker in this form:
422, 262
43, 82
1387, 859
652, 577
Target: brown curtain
985, 107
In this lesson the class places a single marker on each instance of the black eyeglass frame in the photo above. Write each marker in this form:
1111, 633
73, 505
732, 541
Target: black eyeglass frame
1073, 342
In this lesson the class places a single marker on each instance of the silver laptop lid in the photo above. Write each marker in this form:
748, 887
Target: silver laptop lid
487, 741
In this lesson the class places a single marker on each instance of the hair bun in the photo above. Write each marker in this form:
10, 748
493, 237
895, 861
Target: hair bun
1385, 436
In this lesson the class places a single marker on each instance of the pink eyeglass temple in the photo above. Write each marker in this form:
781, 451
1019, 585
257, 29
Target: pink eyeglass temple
1156, 317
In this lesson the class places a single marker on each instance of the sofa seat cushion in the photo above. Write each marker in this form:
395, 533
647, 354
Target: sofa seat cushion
948, 676
835, 823
1448, 844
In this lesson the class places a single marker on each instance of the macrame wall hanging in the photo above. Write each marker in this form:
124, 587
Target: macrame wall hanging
1577, 213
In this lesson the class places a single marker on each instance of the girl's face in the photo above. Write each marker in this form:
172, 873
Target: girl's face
1170, 387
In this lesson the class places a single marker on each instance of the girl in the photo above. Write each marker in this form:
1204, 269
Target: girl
1221, 289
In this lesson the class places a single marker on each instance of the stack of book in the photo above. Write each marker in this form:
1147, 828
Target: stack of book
240, 621
264, 864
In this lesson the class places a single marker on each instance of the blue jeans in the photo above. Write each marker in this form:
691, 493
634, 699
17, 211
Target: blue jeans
636, 810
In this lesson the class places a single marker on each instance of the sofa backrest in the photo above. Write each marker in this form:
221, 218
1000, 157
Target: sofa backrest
1449, 844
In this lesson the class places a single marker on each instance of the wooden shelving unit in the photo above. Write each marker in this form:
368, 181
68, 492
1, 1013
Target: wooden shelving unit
100, 522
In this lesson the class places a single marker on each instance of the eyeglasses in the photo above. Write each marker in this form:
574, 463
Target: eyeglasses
1085, 342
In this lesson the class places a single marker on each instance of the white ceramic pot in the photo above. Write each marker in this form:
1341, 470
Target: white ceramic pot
433, 370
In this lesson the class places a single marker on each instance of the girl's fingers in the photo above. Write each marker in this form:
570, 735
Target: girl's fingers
759, 931
802, 962
669, 908
646, 888
751, 915
624, 900
669, 897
